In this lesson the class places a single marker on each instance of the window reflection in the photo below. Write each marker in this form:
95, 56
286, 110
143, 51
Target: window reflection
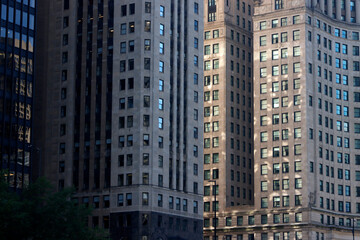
21, 133
17, 39
23, 64
2, 35
16, 62
28, 112
27, 135
29, 90
30, 66
22, 87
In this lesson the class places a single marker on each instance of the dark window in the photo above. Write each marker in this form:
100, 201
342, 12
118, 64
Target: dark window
66, 4
132, 8
123, 10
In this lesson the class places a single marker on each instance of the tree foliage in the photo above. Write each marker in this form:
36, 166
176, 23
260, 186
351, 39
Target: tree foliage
38, 213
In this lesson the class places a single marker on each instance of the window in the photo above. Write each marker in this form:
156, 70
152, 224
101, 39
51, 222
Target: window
147, 7
284, 53
161, 66
161, 123
275, 119
123, 29
207, 50
262, 40
263, 72
262, 25
216, 64
297, 149
251, 220
207, 35
263, 56
298, 200
284, 69
274, 23
296, 51
276, 201
131, 27
196, 25
147, 27
211, 16
263, 104
216, 110
296, 35
297, 99
264, 186
64, 57
120, 200
147, 44
263, 136
162, 11
196, 8
276, 135
263, 153
263, 120
275, 103
296, 19
160, 142
284, 85
161, 48
264, 169
275, 54
146, 139
162, 29
207, 65
298, 183
263, 88
228, 221
216, 48
274, 38
128, 199
196, 60
296, 67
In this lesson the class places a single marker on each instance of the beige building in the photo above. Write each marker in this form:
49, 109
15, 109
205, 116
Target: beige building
228, 104
306, 111
120, 87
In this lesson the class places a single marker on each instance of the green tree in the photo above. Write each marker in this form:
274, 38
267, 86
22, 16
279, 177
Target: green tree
39, 213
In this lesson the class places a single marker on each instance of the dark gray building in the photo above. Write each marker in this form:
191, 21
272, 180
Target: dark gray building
122, 112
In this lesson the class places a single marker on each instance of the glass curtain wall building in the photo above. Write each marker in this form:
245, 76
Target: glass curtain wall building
17, 36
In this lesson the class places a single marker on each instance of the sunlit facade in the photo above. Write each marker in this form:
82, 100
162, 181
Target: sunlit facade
306, 111
228, 106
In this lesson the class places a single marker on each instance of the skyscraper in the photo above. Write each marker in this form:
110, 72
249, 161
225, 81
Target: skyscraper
16, 90
122, 113
228, 119
306, 111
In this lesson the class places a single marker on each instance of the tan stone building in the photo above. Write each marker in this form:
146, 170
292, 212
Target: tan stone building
228, 124
121, 111
306, 111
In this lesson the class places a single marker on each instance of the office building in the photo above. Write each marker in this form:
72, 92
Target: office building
122, 112
306, 111
228, 119
16, 90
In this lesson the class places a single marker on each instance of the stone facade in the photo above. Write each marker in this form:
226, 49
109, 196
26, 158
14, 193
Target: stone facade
122, 111
306, 157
